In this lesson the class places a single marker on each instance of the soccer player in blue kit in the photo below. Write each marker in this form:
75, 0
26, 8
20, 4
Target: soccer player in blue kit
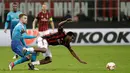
12, 19
18, 45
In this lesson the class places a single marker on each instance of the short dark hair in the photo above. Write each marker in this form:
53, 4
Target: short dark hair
21, 15
70, 33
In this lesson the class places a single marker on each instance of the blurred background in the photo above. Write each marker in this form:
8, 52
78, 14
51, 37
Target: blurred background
85, 13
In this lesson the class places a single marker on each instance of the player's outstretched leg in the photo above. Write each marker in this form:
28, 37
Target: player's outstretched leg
40, 62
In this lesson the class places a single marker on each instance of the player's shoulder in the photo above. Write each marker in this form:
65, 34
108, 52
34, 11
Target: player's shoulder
9, 13
19, 25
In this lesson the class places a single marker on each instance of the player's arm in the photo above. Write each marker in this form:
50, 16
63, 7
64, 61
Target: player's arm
8, 19
26, 36
60, 25
52, 23
34, 23
23, 42
75, 55
63, 22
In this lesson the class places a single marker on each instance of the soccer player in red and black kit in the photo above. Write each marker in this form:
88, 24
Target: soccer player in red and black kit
43, 18
58, 38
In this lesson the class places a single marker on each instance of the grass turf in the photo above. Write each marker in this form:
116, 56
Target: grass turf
96, 56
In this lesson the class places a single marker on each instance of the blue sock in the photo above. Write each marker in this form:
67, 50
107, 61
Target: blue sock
21, 60
33, 57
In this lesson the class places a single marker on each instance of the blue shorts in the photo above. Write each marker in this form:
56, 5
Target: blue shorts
17, 47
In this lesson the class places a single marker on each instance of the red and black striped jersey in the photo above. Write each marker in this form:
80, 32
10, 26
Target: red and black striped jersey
57, 38
43, 20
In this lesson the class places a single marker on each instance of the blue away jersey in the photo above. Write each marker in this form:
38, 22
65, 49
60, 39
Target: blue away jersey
12, 19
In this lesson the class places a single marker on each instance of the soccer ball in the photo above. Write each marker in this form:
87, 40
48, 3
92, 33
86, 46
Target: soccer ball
111, 66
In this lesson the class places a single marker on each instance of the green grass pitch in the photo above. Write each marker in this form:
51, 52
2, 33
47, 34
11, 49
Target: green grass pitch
96, 56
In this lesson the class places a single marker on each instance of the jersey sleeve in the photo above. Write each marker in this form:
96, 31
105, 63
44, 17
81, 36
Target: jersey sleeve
26, 36
8, 19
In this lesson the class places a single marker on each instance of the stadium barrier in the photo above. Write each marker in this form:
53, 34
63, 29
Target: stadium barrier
108, 36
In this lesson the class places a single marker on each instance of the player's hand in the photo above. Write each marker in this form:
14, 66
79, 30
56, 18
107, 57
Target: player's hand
5, 30
82, 62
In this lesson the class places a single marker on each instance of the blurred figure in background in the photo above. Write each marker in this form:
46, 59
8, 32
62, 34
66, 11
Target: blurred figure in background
68, 15
12, 19
30, 17
43, 18
81, 16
